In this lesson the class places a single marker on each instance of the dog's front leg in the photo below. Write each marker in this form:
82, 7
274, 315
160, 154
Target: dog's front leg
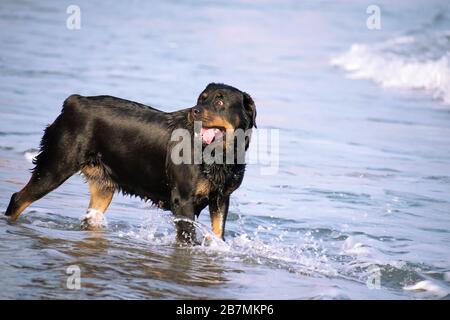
218, 210
183, 209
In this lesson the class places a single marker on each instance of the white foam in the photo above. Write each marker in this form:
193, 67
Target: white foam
391, 65
428, 286
158, 229
354, 248
306, 257
94, 218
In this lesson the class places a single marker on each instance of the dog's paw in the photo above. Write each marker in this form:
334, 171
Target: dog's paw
93, 219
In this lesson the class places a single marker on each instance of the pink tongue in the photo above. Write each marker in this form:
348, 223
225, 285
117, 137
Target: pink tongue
209, 134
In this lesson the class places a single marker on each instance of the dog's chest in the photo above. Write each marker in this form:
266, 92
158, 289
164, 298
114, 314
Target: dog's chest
220, 179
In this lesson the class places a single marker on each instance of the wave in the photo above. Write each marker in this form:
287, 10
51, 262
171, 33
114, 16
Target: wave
431, 287
420, 62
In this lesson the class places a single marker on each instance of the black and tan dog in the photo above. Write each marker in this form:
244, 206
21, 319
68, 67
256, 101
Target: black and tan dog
125, 146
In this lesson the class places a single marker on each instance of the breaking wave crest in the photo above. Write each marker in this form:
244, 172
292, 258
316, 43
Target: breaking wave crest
408, 62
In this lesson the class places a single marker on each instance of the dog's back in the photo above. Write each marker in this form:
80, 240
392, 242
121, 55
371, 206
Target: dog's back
106, 138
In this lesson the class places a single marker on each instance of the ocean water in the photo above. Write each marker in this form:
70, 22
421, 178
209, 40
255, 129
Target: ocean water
359, 206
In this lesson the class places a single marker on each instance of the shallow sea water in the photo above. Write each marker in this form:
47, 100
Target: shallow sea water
362, 190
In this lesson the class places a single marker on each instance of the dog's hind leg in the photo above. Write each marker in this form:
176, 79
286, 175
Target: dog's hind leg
40, 184
56, 162
101, 196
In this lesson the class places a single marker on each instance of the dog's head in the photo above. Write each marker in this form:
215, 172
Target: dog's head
222, 108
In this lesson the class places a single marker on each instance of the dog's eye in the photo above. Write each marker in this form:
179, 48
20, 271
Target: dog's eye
219, 103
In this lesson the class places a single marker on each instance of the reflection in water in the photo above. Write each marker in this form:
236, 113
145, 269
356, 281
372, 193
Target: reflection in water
109, 262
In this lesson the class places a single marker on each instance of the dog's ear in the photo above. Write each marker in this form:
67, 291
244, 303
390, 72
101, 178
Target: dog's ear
250, 108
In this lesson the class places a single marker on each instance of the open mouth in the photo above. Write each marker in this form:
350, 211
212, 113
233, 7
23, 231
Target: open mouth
209, 135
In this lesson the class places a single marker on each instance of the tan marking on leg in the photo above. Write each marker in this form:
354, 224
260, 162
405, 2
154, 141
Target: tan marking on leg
100, 197
92, 171
202, 188
19, 210
217, 224
22, 194
92, 174
102, 190
98, 175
